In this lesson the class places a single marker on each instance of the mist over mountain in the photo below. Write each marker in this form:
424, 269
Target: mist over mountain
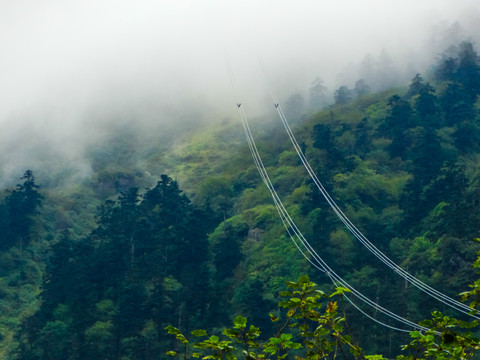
140, 205
73, 73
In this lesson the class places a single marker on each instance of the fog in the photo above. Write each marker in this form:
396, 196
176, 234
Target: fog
70, 71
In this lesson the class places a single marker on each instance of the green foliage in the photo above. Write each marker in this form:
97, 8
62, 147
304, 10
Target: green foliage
107, 294
226, 246
217, 192
402, 164
447, 338
19, 209
306, 331
474, 294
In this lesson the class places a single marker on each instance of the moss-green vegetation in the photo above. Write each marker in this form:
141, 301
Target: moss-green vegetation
108, 260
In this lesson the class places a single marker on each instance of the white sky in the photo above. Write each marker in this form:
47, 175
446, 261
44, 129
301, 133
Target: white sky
67, 56
79, 50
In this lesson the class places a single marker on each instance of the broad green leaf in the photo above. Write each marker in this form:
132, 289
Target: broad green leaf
214, 339
240, 322
271, 349
199, 333
340, 291
172, 330
275, 341
181, 338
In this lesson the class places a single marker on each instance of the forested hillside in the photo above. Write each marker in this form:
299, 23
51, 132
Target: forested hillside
188, 235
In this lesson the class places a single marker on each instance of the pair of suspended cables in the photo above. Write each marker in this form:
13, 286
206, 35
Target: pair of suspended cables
298, 238
446, 300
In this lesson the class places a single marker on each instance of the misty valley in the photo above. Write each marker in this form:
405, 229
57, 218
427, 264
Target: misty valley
313, 230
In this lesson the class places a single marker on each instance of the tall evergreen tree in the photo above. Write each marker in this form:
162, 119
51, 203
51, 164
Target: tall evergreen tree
144, 265
468, 72
22, 204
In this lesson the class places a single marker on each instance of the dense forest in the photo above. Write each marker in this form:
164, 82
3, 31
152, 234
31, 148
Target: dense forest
189, 236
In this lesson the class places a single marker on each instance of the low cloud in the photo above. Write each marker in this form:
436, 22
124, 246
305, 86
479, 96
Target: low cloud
72, 71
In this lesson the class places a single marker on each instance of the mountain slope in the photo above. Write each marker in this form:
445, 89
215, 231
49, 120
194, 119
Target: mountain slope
123, 252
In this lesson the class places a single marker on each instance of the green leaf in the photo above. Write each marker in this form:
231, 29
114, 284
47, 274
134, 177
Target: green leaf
172, 330
339, 291
296, 346
277, 341
271, 349
171, 353
240, 322
253, 332
199, 333
214, 339
181, 338
231, 333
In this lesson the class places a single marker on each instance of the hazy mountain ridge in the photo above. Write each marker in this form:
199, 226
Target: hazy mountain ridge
403, 164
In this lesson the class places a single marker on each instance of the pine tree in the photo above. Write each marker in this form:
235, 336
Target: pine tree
22, 204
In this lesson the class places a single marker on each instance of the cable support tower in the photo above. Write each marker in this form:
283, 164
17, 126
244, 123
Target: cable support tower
446, 300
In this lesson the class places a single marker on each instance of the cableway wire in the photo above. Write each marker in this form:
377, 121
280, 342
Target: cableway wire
320, 263
291, 226
461, 307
